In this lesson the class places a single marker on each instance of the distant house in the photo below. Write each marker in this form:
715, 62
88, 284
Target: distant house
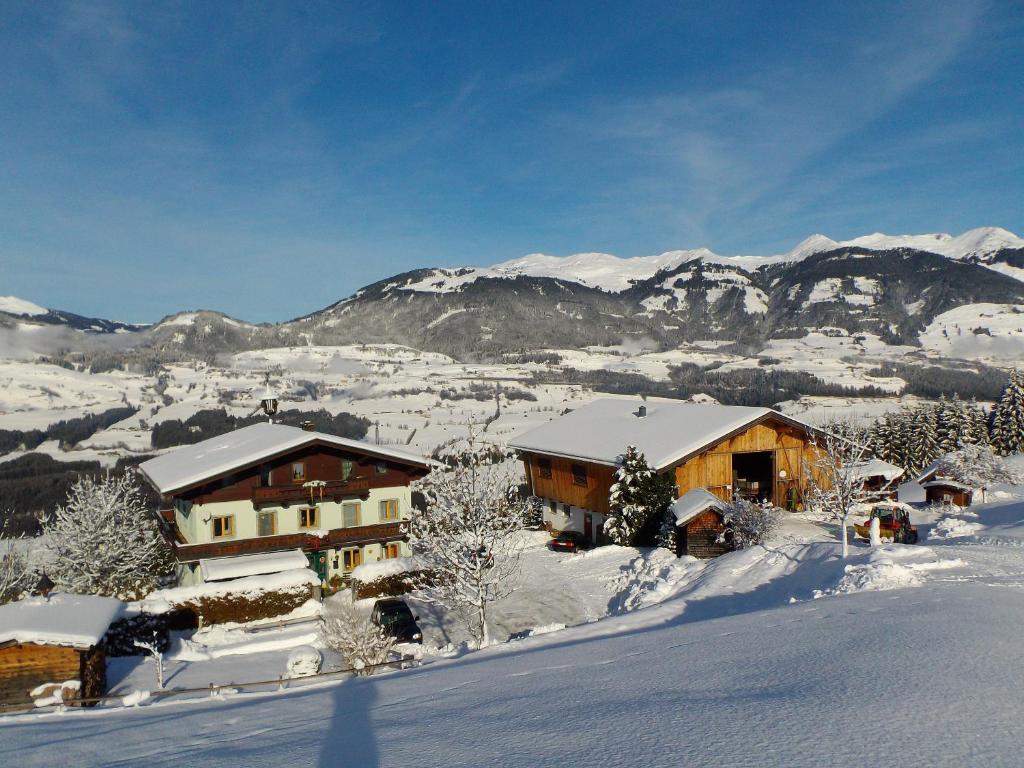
55, 642
729, 451
271, 488
880, 478
942, 489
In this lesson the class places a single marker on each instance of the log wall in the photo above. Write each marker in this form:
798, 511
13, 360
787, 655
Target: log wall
23, 667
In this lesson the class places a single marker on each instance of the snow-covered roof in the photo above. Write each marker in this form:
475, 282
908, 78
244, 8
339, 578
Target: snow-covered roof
928, 472
671, 430
193, 464
79, 621
222, 568
945, 482
878, 468
692, 503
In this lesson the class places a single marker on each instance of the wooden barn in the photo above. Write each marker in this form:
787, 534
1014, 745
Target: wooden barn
729, 451
54, 643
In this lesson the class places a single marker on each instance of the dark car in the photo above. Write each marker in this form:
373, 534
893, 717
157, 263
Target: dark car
570, 541
397, 620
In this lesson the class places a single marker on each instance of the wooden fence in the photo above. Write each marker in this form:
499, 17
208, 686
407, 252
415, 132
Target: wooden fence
280, 683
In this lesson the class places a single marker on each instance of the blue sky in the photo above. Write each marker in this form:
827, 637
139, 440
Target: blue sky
268, 159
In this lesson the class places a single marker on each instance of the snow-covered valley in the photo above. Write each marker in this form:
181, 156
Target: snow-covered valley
778, 655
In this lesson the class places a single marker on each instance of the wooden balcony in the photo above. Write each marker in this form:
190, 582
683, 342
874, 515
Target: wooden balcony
336, 537
334, 490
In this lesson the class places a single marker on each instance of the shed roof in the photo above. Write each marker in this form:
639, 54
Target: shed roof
878, 468
693, 503
239, 566
193, 464
670, 431
79, 621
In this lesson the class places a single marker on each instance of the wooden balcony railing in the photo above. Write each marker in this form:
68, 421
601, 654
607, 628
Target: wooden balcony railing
334, 490
336, 537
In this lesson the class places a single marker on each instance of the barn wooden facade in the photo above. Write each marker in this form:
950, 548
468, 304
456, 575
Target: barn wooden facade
271, 488
754, 453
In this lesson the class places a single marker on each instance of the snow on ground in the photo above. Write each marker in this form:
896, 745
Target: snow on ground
738, 665
987, 332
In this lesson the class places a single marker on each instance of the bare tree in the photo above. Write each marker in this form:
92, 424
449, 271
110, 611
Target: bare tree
749, 523
350, 631
469, 532
105, 541
835, 479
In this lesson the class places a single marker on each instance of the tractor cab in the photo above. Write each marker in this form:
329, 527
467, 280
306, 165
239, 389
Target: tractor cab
893, 523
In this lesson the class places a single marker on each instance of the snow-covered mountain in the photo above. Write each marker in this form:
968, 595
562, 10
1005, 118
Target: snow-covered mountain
900, 288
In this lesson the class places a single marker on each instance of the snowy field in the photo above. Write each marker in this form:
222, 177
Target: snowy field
779, 655
415, 400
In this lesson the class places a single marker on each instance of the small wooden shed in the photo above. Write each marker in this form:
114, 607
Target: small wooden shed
700, 523
941, 489
54, 640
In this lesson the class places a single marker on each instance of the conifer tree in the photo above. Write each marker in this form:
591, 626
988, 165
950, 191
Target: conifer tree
625, 499
1008, 417
639, 501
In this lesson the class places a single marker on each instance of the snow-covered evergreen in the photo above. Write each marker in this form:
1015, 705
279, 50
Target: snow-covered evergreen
977, 466
639, 500
105, 541
15, 574
1008, 417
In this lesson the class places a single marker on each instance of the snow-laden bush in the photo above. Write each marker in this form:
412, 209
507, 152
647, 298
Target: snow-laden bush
349, 630
303, 662
105, 541
748, 524
15, 573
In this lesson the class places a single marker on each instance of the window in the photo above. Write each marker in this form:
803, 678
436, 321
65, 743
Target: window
309, 517
346, 469
266, 524
223, 526
382, 468
352, 558
265, 478
579, 475
350, 514
544, 468
391, 551
298, 472
389, 509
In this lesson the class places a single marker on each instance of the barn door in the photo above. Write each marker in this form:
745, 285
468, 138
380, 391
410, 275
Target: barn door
787, 477
719, 467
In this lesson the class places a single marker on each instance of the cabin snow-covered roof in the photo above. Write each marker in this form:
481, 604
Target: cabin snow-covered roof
693, 503
239, 566
877, 468
193, 464
79, 621
671, 430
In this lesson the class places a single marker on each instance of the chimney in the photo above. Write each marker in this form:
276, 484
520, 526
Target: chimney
641, 412
309, 426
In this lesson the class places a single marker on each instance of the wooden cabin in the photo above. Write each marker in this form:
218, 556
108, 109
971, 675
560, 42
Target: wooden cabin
273, 488
700, 524
54, 643
730, 451
941, 489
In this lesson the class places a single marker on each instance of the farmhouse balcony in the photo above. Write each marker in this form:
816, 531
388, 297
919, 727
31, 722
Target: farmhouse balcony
336, 537
333, 490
